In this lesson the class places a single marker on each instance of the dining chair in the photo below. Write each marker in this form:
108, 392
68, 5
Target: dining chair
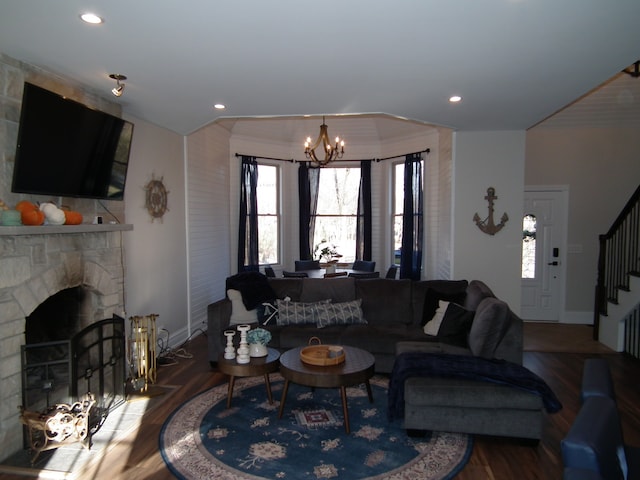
307, 265
392, 272
294, 274
365, 275
364, 265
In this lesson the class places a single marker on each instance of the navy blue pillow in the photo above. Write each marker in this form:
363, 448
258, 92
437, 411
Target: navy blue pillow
448, 290
455, 326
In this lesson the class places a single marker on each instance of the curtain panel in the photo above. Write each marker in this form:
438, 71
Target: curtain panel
308, 184
363, 226
412, 219
248, 215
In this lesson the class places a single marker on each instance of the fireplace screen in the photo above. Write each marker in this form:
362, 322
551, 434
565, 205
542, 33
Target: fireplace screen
93, 360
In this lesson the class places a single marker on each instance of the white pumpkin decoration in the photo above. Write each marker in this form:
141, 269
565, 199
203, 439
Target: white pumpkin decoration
53, 215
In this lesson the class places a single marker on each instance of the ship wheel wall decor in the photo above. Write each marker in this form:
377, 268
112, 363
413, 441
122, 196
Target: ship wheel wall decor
156, 198
488, 225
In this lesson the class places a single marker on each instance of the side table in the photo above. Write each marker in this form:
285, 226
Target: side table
257, 366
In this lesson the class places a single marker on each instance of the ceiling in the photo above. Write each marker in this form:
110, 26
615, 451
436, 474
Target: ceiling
514, 62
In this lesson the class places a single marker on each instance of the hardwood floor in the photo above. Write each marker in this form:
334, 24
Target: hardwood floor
138, 457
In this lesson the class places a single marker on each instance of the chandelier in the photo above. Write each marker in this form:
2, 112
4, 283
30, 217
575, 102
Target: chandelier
331, 152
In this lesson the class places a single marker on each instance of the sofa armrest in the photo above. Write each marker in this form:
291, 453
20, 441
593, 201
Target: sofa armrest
218, 317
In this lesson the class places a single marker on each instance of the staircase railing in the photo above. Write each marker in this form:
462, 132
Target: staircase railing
619, 257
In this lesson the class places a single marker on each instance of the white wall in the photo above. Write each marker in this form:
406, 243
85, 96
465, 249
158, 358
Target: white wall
483, 160
209, 248
155, 252
602, 168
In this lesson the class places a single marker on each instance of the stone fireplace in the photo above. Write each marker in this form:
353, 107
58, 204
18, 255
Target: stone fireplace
36, 263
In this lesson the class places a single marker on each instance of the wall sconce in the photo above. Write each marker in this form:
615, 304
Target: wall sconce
118, 90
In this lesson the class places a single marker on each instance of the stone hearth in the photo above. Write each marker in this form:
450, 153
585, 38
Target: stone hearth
33, 267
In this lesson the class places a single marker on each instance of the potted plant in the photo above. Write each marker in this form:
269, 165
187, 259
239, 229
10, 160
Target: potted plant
326, 252
257, 340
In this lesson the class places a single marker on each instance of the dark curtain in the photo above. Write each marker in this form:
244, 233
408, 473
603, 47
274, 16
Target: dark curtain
308, 183
248, 217
363, 226
411, 252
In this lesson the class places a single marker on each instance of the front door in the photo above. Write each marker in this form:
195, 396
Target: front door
544, 253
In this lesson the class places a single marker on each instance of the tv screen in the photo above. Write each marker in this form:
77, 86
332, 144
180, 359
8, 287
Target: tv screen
68, 149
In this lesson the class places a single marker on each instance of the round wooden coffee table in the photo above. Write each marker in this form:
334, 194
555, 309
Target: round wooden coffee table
257, 366
357, 368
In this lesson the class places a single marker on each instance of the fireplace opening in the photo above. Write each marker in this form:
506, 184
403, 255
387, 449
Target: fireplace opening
57, 318
67, 355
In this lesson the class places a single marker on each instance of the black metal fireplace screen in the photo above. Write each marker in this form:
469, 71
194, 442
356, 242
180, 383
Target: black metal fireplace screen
93, 360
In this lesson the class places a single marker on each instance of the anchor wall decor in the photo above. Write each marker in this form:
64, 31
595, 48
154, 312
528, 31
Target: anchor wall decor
487, 225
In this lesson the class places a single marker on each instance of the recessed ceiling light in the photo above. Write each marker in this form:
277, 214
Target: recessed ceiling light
219, 106
455, 98
91, 18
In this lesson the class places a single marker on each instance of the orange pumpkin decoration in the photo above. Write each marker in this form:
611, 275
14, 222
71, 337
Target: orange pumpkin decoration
26, 205
32, 216
72, 218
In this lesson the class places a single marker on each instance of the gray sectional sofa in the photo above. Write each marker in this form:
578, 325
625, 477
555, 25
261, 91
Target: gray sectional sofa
391, 324
394, 311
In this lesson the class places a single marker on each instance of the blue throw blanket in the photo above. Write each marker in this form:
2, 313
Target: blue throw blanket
420, 364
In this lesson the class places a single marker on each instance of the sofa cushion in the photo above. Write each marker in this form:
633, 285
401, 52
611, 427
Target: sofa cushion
385, 301
294, 336
287, 287
239, 313
297, 313
476, 292
490, 323
381, 339
337, 289
462, 392
344, 313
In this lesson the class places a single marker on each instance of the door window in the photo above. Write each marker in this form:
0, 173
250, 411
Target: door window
529, 246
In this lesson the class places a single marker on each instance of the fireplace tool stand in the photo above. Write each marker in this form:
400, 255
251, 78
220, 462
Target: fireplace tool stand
143, 350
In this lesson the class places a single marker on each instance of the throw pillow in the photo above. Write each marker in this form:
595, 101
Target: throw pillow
491, 321
455, 292
267, 313
239, 313
433, 326
297, 313
254, 286
455, 326
344, 313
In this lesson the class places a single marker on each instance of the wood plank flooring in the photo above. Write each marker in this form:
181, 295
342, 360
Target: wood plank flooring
138, 458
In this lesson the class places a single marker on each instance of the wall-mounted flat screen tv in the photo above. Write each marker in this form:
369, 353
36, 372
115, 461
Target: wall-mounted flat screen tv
68, 149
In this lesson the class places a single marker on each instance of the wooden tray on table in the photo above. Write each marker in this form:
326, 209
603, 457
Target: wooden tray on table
322, 355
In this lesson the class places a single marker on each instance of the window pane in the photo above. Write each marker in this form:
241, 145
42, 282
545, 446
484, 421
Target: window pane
267, 239
267, 189
398, 194
338, 231
337, 210
338, 191
529, 246
268, 214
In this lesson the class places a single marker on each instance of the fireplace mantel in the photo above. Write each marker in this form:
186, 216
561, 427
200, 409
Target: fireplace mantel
56, 229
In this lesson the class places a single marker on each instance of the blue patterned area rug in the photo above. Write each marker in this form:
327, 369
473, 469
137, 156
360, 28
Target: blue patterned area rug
203, 439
